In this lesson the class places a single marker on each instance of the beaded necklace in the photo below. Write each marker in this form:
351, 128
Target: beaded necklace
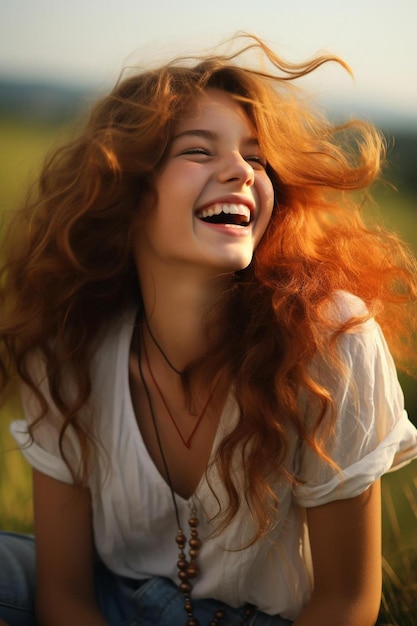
187, 566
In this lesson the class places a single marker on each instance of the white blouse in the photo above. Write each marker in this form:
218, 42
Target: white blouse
133, 516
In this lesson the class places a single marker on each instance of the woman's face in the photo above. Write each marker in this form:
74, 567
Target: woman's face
214, 197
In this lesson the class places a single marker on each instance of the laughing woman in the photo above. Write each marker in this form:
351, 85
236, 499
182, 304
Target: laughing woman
195, 311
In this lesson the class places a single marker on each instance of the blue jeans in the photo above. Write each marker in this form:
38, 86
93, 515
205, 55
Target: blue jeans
123, 602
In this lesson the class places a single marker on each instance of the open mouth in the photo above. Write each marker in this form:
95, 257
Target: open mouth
234, 214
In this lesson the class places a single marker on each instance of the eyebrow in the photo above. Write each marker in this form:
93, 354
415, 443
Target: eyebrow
209, 134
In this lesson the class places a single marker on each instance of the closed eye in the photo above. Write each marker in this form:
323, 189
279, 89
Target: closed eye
201, 151
258, 160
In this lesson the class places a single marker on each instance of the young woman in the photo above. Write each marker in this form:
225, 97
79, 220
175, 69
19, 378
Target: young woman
194, 307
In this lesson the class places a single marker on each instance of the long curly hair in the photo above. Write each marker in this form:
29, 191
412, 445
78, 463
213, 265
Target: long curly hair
68, 268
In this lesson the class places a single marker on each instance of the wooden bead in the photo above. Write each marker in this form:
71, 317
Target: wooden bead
192, 571
188, 606
195, 543
193, 522
193, 622
185, 587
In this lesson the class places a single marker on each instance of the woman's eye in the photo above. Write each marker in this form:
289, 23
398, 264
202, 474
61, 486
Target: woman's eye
258, 160
197, 151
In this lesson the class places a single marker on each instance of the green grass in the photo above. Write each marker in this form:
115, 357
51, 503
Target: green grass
399, 604
15, 484
24, 146
23, 149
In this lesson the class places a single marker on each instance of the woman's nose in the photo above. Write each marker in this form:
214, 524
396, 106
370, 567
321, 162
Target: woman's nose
235, 167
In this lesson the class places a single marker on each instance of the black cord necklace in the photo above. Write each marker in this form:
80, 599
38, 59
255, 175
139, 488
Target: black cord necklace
187, 567
177, 371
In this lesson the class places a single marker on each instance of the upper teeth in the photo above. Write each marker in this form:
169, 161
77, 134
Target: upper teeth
216, 209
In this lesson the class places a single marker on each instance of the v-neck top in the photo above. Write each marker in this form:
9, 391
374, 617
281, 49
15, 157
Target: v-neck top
133, 515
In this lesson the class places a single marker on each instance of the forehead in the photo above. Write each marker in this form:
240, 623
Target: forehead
216, 107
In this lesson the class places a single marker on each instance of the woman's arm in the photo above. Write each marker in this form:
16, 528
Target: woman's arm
345, 538
64, 553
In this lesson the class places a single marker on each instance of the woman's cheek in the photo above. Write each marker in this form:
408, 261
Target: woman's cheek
267, 199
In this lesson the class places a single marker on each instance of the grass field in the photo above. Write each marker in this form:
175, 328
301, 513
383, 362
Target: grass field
23, 147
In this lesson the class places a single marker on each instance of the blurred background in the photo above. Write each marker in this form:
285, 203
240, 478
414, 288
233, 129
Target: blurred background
56, 57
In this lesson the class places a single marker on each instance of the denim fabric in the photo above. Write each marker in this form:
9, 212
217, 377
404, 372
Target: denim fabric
17, 579
158, 601
123, 602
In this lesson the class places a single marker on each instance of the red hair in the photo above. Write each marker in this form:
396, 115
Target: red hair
68, 268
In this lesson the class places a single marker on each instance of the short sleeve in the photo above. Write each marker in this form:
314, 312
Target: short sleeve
43, 450
373, 434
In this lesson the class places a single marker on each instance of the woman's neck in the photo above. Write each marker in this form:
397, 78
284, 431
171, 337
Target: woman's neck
179, 315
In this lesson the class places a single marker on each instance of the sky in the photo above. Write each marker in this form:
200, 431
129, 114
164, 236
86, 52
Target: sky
88, 42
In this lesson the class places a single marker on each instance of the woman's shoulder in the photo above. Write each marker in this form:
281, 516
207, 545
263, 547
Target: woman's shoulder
342, 306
